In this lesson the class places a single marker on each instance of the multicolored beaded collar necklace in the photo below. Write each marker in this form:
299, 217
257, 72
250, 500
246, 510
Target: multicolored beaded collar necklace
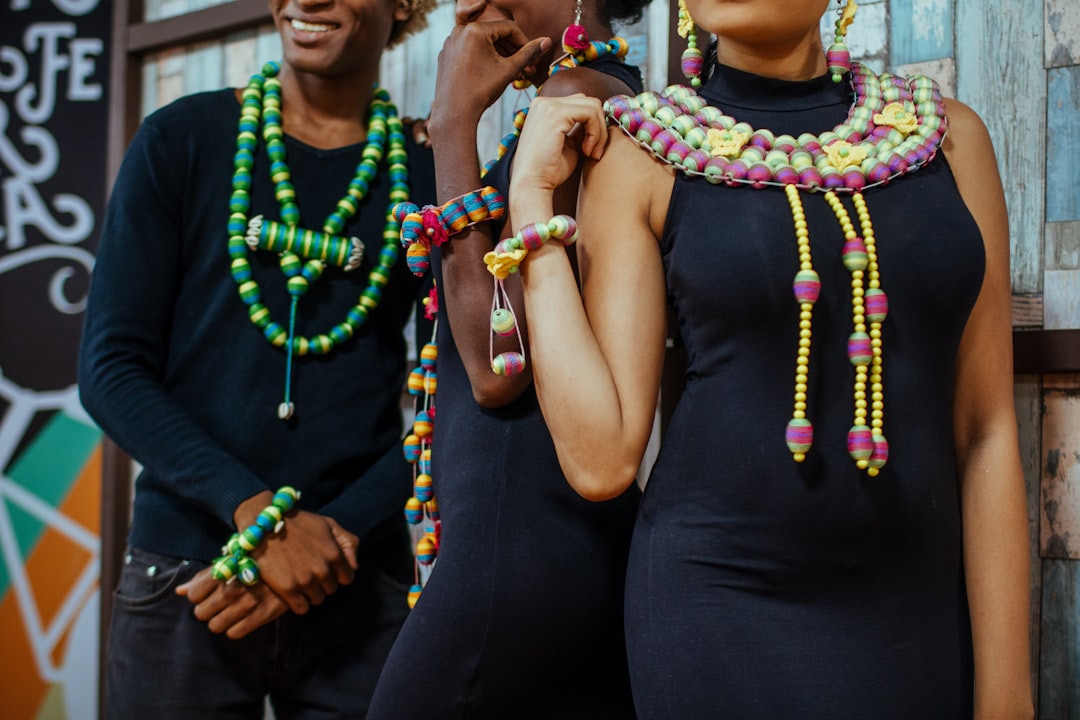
305, 253
894, 127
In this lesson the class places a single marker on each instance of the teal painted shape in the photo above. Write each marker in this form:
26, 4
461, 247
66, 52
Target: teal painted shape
919, 30
1063, 144
1059, 654
47, 468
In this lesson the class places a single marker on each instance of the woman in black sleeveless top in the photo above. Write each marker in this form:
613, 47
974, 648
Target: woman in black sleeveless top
522, 615
835, 526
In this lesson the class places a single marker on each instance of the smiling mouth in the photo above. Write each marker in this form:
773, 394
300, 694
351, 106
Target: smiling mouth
302, 26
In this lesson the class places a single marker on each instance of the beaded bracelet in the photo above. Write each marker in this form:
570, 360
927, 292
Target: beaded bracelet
236, 561
504, 260
433, 225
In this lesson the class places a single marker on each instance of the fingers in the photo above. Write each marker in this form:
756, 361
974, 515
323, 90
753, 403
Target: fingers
348, 544
265, 612
199, 587
575, 116
526, 58
236, 610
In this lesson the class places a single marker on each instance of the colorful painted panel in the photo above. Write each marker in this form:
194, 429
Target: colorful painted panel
53, 115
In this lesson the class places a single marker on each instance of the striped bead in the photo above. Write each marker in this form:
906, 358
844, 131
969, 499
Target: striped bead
859, 349
508, 364
860, 443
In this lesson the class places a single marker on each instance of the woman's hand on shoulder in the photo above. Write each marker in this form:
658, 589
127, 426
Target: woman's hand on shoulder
558, 132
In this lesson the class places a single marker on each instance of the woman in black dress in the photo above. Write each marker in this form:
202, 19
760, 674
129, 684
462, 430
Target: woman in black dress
522, 615
788, 559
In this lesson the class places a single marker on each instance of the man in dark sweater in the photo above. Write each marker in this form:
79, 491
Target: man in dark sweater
229, 369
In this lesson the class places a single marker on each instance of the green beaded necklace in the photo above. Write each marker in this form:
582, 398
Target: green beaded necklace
305, 253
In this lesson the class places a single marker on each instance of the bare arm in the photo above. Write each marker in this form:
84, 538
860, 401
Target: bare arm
597, 357
992, 495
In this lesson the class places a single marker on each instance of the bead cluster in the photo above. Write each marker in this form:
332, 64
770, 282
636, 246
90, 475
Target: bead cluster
894, 127
594, 50
305, 253
421, 228
838, 57
504, 260
692, 61
422, 510
236, 561
507, 141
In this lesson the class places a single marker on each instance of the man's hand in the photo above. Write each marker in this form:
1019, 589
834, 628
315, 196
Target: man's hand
307, 560
231, 608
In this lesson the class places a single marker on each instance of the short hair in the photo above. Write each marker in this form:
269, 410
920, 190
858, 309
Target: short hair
417, 21
627, 11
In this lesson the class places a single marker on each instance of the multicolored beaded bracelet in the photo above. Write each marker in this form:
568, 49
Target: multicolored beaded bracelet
504, 260
433, 225
235, 561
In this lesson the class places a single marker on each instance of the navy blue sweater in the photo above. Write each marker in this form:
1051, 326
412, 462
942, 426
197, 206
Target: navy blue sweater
175, 372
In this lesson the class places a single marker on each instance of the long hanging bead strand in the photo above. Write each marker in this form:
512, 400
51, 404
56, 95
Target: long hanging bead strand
422, 509
877, 308
863, 444
807, 287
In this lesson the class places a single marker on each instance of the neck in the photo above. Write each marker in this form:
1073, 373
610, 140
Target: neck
326, 112
803, 62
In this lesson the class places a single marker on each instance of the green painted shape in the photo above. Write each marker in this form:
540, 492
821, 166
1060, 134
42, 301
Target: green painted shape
47, 468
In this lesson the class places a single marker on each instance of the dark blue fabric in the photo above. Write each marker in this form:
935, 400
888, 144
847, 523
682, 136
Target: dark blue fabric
174, 371
761, 588
522, 616
320, 666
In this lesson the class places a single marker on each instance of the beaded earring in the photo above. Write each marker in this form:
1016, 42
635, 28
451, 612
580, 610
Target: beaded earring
838, 57
574, 37
693, 62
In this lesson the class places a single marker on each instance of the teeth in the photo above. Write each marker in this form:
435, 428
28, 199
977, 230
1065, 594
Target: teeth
309, 27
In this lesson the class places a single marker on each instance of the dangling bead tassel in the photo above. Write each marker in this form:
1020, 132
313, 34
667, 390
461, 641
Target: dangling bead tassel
693, 62
866, 443
504, 323
285, 409
807, 287
838, 57
876, 308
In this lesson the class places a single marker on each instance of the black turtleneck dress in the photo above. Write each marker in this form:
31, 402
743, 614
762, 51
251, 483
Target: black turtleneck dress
521, 618
759, 588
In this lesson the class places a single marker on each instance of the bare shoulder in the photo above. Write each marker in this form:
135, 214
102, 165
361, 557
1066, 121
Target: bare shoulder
968, 145
631, 182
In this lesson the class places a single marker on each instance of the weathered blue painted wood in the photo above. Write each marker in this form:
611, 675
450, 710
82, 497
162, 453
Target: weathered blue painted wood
920, 30
1000, 74
1062, 33
1059, 657
1063, 144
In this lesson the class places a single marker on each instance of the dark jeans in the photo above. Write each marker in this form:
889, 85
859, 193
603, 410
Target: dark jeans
163, 663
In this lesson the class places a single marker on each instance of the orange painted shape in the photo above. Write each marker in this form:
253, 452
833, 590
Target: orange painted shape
20, 687
53, 566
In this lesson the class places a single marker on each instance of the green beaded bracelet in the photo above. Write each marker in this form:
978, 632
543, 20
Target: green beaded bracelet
236, 561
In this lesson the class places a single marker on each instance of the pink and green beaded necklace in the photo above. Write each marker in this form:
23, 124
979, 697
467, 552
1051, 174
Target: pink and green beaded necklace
894, 127
305, 253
